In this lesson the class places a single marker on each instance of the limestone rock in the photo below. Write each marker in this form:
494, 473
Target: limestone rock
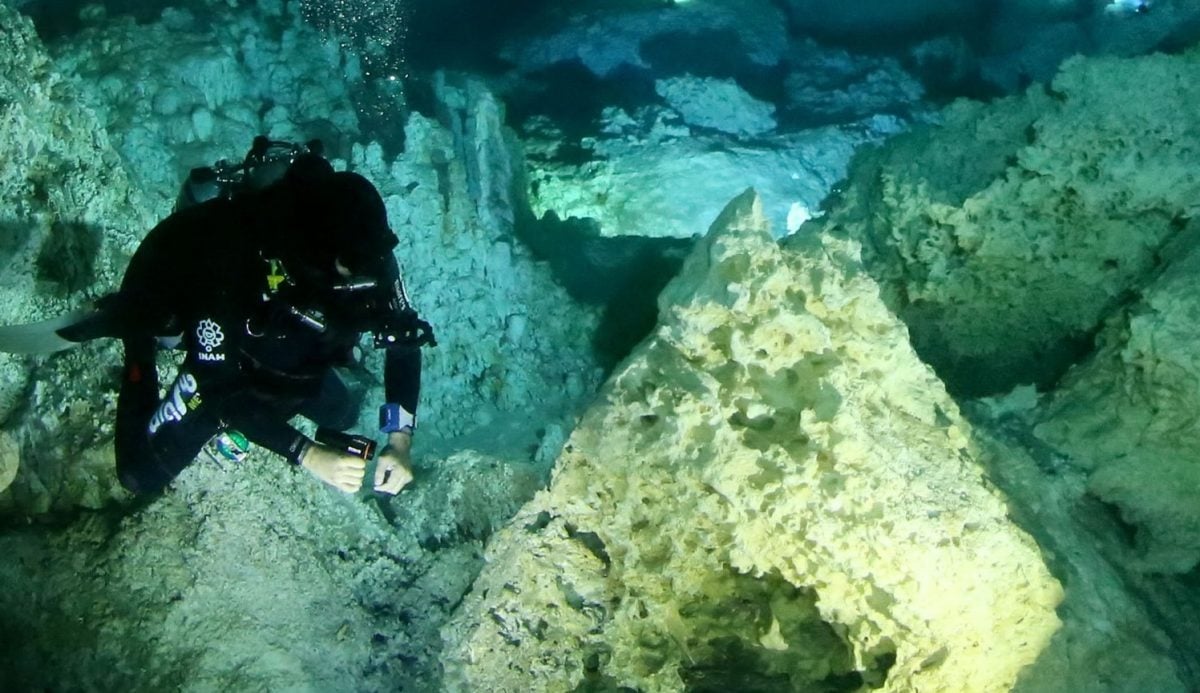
10, 460
1128, 415
771, 491
67, 201
71, 216
824, 86
1005, 235
719, 104
651, 176
466, 496
606, 38
254, 578
178, 94
452, 193
1108, 605
1032, 39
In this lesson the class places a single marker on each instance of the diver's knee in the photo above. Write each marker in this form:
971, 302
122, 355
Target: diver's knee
142, 477
132, 482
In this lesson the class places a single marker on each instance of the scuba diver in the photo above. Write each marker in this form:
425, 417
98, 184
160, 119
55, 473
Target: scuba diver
267, 290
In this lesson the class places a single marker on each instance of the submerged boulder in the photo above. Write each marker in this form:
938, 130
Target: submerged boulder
1128, 415
1006, 234
772, 492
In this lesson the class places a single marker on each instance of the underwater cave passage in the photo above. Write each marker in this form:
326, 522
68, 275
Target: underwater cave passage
622, 274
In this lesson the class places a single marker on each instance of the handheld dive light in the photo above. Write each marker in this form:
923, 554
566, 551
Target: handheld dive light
359, 446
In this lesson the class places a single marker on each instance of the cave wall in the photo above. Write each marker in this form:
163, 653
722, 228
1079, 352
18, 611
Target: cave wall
1006, 234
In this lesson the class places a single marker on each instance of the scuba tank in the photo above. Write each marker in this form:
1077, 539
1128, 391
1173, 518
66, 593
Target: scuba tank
266, 162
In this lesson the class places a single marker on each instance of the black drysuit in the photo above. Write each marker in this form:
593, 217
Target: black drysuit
251, 363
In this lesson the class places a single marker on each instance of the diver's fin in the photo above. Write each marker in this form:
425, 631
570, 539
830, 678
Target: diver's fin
55, 334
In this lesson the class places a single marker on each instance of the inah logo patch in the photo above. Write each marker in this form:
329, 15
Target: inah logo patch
209, 335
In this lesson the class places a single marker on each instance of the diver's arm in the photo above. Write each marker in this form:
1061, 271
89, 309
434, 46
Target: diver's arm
397, 418
333, 466
401, 388
243, 411
401, 332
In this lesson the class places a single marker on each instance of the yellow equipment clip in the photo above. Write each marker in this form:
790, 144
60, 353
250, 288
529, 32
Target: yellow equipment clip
275, 275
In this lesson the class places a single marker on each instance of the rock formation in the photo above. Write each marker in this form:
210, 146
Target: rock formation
1006, 234
1128, 415
772, 493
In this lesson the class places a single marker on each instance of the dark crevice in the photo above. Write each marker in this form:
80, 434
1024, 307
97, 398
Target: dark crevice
573, 97
622, 274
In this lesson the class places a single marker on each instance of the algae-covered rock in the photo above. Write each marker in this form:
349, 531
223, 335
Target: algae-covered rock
10, 460
1129, 415
772, 493
1108, 606
253, 578
66, 207
1004, 235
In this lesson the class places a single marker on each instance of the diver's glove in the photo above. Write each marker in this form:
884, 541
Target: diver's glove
393, 469
338, 468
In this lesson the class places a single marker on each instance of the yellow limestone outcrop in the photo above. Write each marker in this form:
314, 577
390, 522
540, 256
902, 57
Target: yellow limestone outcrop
771, 493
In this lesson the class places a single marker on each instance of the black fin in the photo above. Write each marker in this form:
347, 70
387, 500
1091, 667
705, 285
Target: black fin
90, 325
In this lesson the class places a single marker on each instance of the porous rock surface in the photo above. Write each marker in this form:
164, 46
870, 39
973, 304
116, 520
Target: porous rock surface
69, 217
1127, 416
252, 577
771, 491
188, 90
1006, 234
